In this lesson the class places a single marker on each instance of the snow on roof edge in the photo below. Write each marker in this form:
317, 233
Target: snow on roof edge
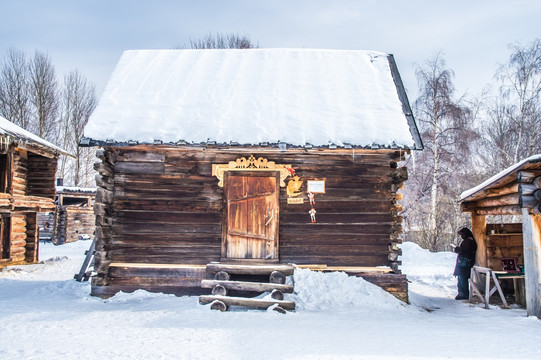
501, 174
10, 129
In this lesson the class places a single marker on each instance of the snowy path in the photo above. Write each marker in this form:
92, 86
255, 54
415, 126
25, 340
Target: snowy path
44, 314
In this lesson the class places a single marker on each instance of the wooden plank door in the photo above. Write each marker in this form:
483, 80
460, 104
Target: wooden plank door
251, 218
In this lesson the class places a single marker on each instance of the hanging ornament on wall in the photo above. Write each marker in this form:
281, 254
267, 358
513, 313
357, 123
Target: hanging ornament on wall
312, 213
311, 198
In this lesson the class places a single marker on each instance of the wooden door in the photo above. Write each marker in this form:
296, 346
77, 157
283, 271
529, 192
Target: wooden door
251, 216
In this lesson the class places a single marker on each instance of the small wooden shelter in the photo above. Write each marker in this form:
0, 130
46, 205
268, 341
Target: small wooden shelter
514, 191
249, 160
27, 186
74, 217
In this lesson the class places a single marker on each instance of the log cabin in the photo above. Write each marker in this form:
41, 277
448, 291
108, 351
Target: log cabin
27, 186
514, 191
74, 217
249, 161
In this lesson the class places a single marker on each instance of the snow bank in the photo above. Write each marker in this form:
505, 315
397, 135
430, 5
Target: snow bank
317, 291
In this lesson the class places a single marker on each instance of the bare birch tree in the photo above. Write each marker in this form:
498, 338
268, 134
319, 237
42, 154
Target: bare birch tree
78, 103
44, 96
513, 131
15, 89
446, 129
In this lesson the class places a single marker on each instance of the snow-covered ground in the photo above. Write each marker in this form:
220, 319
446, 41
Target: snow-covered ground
45, 314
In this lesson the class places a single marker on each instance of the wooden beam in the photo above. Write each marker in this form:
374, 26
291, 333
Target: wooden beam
503, 200
246, 286
525, 176
499, 210
248, 302
531, 232
255, 269
479, 229
527, 189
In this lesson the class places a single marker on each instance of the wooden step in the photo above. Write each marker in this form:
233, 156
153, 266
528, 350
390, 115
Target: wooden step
247, 302
250, 269
247, 286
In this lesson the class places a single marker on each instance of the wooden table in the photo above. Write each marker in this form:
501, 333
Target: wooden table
484, 292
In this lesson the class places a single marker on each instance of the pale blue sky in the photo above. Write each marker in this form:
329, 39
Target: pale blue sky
91, 34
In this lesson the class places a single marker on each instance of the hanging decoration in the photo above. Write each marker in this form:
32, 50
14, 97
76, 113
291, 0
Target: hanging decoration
312, 213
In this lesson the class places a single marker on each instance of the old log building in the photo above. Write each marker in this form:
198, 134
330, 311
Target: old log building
27, 187
214, 159
74, 217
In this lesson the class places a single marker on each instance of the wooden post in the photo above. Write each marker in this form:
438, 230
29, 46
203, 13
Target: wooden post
479, 230
531, 236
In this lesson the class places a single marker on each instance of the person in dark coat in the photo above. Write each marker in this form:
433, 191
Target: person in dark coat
464, 262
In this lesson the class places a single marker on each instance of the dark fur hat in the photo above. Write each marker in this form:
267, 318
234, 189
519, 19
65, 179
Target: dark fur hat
465, 233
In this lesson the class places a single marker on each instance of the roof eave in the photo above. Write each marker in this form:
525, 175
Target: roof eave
406, 108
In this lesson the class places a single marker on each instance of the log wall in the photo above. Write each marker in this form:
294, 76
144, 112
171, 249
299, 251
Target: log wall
41, 176
29, 188
160, 205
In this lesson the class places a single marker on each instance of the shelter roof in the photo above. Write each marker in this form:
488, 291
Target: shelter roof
255, 96
501, 179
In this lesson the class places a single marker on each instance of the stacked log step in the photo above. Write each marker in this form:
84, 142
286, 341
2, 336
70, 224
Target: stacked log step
244, 278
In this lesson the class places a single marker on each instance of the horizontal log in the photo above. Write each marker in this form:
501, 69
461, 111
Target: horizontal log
527, 189
316, 238
525, 176
127, 270
337, 218
247, 302
129, 167
527, 202
337, 229
145, 281
245, 269
166, 259
146, 228
173, 217
499, 210
360, 260
503, 200
246, 286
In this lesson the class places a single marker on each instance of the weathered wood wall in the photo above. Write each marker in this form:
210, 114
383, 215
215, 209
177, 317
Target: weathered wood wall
72, 221
29, 188
41, 176
160, 205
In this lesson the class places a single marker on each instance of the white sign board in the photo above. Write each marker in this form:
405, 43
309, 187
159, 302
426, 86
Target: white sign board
316, 186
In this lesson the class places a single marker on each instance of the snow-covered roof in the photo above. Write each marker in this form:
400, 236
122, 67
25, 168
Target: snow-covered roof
7, 128
501, 178
253, 96
74, 189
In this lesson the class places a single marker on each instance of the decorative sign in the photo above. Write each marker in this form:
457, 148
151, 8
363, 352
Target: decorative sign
243, 164
293, 186
295, 201
316, 186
